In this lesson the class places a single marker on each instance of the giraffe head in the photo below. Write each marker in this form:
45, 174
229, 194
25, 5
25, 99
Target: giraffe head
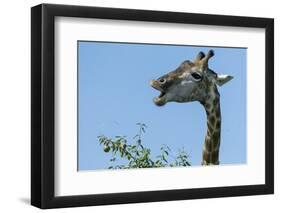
191, 81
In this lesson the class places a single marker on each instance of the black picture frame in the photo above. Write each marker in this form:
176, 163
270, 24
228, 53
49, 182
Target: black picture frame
43, 101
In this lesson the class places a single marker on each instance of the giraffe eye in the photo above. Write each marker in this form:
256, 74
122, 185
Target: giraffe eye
196, 76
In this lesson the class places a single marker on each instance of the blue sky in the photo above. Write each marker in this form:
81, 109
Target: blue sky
114, 95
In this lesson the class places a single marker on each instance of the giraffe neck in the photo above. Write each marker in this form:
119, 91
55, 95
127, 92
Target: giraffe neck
212, 140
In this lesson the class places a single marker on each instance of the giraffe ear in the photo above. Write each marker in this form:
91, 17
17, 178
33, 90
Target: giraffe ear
222, 79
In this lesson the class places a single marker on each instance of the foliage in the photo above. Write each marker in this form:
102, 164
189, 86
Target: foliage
139, 156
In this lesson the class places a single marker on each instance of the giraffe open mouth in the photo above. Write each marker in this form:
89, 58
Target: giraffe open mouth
162, 94
159, 100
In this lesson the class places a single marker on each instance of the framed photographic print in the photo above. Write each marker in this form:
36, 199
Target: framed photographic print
140, 106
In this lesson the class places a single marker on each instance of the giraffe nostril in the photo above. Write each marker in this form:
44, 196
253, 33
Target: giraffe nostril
162, 81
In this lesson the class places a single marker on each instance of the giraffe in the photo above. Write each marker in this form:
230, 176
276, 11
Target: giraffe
195, 81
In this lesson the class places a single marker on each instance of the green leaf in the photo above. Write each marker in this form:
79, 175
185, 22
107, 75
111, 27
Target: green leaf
139, 156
